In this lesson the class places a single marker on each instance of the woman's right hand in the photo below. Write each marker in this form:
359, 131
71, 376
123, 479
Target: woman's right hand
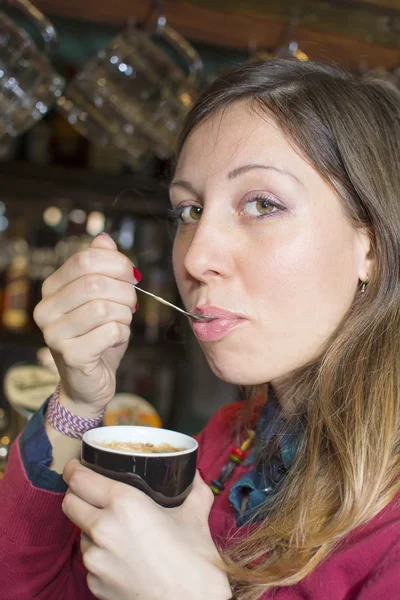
85, 316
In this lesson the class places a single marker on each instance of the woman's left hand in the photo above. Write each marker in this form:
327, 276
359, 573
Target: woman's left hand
134, 549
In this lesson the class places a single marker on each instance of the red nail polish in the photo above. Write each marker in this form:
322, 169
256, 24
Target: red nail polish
137, 305
137, 274
201, 474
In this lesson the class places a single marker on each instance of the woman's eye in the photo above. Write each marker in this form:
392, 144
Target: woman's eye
190, 214
259, 207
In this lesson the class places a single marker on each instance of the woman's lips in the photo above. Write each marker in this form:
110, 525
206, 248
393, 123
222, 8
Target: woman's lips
217, 329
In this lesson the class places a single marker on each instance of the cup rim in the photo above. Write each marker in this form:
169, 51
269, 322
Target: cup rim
93, 444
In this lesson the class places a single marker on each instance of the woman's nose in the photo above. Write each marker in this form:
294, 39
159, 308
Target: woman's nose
209, 253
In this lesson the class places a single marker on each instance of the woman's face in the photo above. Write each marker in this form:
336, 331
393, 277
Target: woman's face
262, 236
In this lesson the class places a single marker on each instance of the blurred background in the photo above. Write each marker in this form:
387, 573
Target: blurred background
92, 96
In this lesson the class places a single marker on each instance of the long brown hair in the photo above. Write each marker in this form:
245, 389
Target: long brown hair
347, 465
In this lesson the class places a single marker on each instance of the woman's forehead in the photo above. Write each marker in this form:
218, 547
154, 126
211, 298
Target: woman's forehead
234, 137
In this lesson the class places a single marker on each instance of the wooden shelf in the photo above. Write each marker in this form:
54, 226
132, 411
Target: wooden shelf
137, 194
345, 32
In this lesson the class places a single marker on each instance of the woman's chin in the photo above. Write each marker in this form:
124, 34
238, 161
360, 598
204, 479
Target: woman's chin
237, 373
246, 369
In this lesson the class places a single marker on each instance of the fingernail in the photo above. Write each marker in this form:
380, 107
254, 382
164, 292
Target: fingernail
201, 474
104, 233
137, 305
137, 274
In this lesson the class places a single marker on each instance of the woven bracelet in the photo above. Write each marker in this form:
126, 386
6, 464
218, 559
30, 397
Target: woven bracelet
64, 421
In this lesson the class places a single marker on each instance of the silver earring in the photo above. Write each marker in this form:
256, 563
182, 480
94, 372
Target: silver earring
364, 285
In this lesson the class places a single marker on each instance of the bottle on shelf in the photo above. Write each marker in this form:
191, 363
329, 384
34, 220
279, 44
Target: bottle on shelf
4, 257
67, 146
9, 148
157, 316
16, 299
44, 260
37, 143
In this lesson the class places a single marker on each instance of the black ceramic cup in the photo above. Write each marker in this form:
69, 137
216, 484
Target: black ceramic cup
166, 477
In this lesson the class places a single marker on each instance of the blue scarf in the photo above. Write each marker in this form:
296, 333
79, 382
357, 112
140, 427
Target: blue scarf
261, 483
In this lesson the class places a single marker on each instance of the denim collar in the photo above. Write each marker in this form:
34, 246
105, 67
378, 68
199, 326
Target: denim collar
261, 483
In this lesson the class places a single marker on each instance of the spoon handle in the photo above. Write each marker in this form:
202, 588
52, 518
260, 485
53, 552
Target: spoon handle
162, 300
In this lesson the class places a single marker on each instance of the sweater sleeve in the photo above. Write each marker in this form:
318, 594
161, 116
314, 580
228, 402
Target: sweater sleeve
39, 546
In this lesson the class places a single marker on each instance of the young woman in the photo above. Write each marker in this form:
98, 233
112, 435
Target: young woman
286, 196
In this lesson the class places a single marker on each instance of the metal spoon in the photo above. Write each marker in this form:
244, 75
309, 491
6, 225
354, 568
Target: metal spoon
203, 318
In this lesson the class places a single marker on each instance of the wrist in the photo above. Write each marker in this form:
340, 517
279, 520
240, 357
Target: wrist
68, 423
78, 407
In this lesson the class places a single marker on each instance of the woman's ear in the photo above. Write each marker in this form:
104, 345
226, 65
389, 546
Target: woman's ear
366, 255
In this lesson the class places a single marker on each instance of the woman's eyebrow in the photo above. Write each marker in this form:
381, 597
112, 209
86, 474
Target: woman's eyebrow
232, 175
186, 185
245, 168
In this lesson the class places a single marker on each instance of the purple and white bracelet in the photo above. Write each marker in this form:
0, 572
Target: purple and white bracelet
61, 419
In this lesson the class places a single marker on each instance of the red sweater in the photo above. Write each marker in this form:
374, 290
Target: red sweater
40, 557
